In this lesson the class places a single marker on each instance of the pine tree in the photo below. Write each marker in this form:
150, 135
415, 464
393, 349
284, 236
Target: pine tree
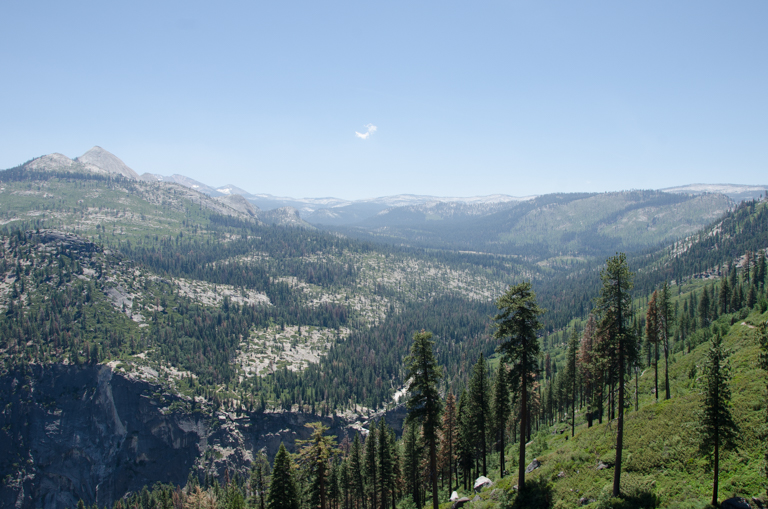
760, 269
282, 490
385, 467
501, 408
480, 404
652, 335
371, 470
725, 295
397, 471
718, 429
704, 307
516, 326
614, 309
424, 404
466, 442
412, 461
588, 368
259, 481
315, 457
571, 375
334, 493
356, 473
665, 320
449, 438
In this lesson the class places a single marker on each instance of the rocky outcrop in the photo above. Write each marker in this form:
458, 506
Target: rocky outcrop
240, 204
86, 433
98, 159
89, 432
285, 216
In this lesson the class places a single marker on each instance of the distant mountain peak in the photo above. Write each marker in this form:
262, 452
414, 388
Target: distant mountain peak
106, 161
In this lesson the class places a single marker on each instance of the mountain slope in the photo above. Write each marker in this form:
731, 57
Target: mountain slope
107, 162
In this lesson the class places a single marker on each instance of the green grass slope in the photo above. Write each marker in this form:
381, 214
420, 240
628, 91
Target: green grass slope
662, 466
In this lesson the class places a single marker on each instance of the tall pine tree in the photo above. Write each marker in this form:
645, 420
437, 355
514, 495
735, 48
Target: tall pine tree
424, 403
614, 309
282, 489
481, 407
516, 326
501, 408
718, 429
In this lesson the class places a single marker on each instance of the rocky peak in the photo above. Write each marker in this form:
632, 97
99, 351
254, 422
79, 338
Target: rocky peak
51, 162
240, 204
107, 162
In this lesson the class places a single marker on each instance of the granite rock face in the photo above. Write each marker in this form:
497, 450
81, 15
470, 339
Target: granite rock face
89, 432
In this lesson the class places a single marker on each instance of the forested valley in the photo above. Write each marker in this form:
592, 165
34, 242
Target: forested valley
606, 382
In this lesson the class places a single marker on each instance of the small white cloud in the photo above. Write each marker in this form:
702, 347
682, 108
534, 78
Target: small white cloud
370, 130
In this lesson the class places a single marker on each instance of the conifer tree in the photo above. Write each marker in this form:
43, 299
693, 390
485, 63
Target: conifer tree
259, 481
371, 470
760, 269
314, 457
397, 471
516, 326
614, 309
665, 320
345, 484
282, 490
587, 366
718, 429
385, 466
571, 375
501, 408
334, 493
704, 307
424, 403
652, 336
466, 442
412, 461
356, 473
480, 404
725, 295
449, 438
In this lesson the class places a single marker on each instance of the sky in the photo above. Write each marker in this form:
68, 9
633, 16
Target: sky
364, 99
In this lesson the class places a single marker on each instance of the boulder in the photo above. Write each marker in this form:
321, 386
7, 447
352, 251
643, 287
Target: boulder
602, 466
454, 497
477, 498
482, 482
460, 502
561, 474
533, 466
735, 503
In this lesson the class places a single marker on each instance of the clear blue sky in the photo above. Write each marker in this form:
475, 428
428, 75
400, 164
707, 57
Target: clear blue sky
468, 98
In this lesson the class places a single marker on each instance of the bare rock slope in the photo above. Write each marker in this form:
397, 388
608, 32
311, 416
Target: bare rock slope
107, 162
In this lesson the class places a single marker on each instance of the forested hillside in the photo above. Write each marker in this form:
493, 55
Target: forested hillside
550, 229
231, 318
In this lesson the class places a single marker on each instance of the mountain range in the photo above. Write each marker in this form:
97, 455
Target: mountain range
151, 333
